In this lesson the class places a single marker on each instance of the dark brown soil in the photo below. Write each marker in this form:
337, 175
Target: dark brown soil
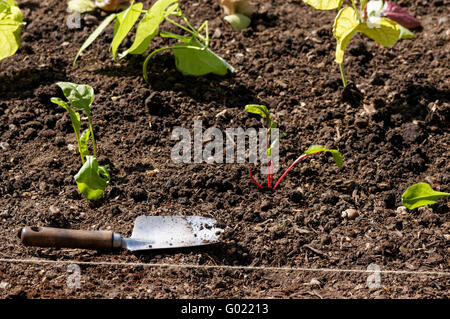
390, 124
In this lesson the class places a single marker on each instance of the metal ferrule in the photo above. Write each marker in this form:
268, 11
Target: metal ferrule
117, 240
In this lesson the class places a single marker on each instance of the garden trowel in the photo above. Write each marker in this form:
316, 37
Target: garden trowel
149, 232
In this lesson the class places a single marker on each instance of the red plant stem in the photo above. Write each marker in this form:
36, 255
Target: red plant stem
268, 160
290, 167
251, 177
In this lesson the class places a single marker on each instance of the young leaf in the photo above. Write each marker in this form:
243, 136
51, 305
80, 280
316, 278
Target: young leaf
421, 194
405, 33
258, 109
399, 15
319, 148
238, 21
345, 26
148, 27
10, 20
74, 116
94, 35
124, 22
89, 181
80, 96
386, 33
197, 60
324, 4
84, 140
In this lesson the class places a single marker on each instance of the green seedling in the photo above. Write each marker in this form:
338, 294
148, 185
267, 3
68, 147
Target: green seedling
262, 111
91, 179
237, 13
419, 195
192, 53
381, 21
10, 20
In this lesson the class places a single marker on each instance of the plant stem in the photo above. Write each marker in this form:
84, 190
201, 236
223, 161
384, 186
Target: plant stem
251, 177
92, 136
344, 79
268, 159
193, 33
290, 167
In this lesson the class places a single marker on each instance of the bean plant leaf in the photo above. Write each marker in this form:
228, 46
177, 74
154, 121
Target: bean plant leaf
421, 194
124, 22
80, 96
84, 141
345, 26
324, 4
197, 60
10, 20
337, 156
385, 33
74, 116
94, 35
92, 179
148, 27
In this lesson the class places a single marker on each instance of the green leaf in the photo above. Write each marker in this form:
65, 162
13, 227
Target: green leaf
84, 141
324, 4
385, 33
10, 20
124, 22
345, 26
148, 27
238, 21
89, 181
419, 195
258, 109
94, 35
337, 156
74, 116
80, 96
197, 60
405, 33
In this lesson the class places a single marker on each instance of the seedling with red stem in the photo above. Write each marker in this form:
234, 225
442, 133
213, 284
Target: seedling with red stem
262, 111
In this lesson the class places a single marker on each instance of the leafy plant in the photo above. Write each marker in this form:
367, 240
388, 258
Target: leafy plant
192, 53
10, 20
262, 111
383, 22
421, 194
91, 179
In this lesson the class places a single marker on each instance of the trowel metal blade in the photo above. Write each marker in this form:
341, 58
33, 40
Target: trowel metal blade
162, 232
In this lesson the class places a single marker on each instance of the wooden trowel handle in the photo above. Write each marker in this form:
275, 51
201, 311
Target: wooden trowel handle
66, 238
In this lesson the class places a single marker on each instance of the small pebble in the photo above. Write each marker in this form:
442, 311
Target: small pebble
402, 210
54, 210
4, 146
350, 213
